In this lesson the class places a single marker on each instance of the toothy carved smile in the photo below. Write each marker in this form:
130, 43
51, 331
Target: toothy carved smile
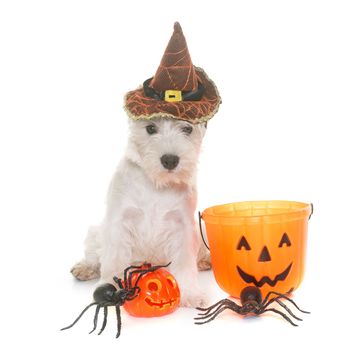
160, 304
251, 279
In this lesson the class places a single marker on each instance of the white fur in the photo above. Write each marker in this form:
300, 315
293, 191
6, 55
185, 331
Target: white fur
150, 210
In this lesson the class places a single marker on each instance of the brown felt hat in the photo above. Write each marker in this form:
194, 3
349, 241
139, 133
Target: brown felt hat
178, 89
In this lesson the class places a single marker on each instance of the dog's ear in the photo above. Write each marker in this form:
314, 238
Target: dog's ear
202, 127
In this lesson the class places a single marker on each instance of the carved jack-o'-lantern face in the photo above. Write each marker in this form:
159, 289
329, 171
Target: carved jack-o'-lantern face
277, 272
159, 294
258, 243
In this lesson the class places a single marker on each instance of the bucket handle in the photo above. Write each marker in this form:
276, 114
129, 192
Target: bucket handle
200, 229
312, 210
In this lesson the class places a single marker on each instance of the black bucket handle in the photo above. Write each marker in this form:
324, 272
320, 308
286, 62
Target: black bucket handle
200, 229
312, 210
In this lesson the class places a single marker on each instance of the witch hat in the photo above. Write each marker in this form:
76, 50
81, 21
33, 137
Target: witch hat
178, 89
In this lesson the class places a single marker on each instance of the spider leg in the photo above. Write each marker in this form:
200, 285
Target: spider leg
119, 320
228, 304
214, 314
137, 291
210, 308
280, 313
283, 305
143, 272
267, 302
105, 312
118, 281
266, 299
78, 318
126, 274
98, 307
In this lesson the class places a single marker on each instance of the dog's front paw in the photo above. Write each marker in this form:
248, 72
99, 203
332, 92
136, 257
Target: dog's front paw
84, 272
193, 299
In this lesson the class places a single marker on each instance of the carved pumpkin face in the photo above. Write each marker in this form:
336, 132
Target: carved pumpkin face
159, 295
272, 263
258, 243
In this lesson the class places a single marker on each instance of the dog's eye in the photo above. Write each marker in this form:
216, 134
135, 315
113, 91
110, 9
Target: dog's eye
151, 129
187, 129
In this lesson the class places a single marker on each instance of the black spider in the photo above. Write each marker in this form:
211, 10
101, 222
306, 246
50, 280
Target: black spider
251, 300
108, 295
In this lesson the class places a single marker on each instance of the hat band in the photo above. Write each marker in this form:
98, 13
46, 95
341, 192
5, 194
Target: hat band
173, 95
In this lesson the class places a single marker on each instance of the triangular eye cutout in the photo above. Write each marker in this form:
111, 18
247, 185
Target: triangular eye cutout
243, 243
284, 240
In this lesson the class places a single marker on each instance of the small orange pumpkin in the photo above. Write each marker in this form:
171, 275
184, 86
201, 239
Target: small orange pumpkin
159, 294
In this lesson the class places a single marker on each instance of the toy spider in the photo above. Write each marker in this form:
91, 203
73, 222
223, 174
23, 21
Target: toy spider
251, 300
108, 295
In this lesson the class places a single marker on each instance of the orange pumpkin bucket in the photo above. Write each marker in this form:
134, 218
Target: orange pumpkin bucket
261, 243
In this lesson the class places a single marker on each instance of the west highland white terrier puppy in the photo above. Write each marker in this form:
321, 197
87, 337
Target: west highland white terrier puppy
151, 204
152, 197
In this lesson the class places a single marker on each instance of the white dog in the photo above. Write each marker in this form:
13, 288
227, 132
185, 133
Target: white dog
150, 208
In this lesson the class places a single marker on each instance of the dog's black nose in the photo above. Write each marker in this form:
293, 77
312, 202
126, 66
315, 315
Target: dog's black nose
169, 161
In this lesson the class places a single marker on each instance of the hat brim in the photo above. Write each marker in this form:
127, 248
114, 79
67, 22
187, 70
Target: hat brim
139, 106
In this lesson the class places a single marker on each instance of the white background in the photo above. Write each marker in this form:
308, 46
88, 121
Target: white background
282, 132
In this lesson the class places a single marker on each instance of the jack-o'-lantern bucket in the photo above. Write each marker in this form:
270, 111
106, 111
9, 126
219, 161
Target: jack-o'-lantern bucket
261, 243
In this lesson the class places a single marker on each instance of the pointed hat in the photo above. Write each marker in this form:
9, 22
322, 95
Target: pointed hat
178, 89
